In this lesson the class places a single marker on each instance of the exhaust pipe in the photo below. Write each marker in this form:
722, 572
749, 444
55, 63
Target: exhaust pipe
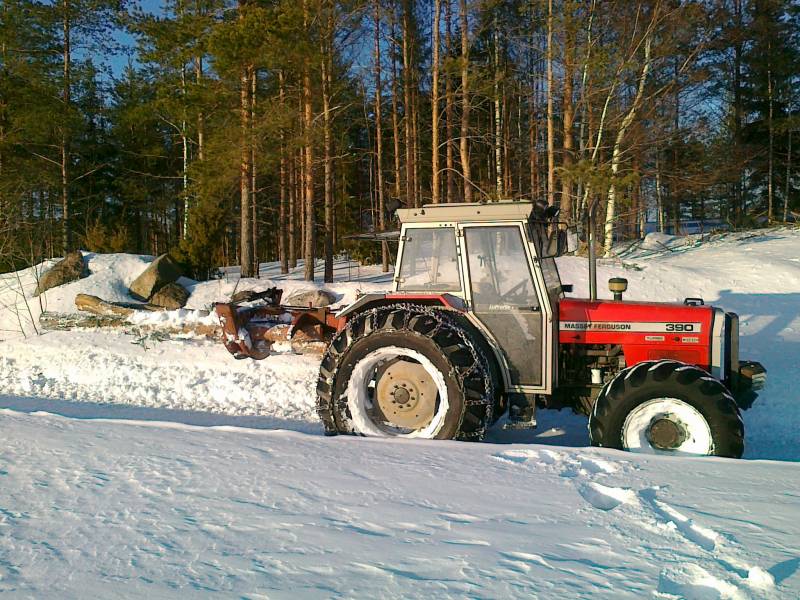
592, 255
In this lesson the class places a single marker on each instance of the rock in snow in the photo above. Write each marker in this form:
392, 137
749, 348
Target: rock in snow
314, 298
159, 273
172, 296
70, 268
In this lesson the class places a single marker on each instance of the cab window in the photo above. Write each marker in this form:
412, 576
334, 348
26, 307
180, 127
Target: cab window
498, 268
430, 260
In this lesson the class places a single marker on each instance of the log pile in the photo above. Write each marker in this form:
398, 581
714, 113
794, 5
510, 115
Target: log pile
96, 312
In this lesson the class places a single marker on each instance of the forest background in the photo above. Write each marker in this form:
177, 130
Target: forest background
241, 132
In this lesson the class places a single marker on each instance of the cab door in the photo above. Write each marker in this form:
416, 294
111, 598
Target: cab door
506, 297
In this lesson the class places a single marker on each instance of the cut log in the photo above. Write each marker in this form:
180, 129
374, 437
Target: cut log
300, 343
103, 308
53, 321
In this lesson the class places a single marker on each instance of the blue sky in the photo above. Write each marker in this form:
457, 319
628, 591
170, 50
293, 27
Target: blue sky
119, 60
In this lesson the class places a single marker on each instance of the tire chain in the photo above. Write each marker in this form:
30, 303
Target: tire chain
371, 320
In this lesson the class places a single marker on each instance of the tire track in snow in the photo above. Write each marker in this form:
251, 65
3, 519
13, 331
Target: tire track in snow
646, 512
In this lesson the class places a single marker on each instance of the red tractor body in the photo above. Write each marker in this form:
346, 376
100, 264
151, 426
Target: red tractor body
643, 330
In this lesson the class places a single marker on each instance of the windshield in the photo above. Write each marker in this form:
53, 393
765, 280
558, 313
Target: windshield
430, 261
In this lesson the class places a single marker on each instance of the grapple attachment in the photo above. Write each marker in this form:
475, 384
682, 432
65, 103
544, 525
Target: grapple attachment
254, 321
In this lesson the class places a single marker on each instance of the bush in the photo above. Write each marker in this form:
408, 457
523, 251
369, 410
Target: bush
104, 239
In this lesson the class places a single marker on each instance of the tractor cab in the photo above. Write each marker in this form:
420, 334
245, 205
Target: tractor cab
499, 261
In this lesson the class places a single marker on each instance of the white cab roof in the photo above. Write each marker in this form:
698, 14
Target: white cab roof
462, 212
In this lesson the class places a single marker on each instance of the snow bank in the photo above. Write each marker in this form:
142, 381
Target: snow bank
109, 278
658, 241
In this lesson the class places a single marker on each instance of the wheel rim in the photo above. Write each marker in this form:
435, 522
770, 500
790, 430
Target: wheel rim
667, 426
408, 399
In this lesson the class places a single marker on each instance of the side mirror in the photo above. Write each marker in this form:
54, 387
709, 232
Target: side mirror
572, 240
563, 241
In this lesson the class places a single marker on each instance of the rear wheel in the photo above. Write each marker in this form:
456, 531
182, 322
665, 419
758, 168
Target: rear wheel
667, 407
405, 371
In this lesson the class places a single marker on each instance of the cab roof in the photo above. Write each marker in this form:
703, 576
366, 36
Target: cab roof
473, 212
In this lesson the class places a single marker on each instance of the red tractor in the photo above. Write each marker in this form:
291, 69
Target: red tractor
477, 326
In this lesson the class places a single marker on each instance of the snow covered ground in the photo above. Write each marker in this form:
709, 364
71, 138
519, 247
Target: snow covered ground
134, 465
101, 509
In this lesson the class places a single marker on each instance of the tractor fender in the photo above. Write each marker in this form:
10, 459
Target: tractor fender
368, 301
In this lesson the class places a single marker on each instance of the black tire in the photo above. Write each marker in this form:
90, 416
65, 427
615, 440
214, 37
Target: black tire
667, 379
432, 332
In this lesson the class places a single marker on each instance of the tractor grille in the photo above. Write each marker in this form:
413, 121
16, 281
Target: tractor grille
731, 333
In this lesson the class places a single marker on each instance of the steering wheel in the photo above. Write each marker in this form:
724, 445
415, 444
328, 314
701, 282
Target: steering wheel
518, 292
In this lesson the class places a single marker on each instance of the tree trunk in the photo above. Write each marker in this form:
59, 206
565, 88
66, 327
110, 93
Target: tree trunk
568, 114
201, 125
253, 186
283, 218
786, 186
308, 166
245, 239
508, 172
201, 120
674, 196
417, 158
327, 65
617, 150
450, 195
185, 157
294, 200
585, 132
771, 148
435, 191
498, 165
465, 104
395, 116
410, 186
739, 208
66, 202
551, 158
533, 133
659, 196
379, 137
533, 153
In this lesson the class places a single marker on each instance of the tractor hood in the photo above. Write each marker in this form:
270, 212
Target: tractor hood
645, 330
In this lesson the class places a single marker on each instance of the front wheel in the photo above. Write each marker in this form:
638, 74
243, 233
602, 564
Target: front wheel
667, 407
